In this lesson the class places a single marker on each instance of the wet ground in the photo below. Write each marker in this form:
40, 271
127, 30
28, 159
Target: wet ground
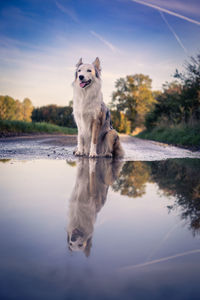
61, 147
78, 228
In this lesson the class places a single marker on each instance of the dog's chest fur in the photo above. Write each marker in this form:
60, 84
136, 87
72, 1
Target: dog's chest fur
87, 106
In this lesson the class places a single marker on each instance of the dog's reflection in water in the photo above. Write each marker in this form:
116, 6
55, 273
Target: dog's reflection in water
89, 195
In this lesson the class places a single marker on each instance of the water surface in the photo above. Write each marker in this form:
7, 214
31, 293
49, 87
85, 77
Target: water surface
99, 230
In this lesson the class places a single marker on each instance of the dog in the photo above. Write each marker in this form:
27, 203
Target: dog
96, 137
89, 195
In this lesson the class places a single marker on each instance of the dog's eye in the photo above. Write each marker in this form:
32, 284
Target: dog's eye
89, 70
79, 70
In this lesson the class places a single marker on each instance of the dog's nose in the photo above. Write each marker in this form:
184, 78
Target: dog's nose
81, 77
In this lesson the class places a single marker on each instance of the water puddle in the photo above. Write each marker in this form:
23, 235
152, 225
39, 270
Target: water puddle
97, 229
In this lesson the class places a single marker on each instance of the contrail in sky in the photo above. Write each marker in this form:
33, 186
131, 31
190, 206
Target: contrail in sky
173, 32
67, 11
167, 11
152, 262
108, 44
164, 239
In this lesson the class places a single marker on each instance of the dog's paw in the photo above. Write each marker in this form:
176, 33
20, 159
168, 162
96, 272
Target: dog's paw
93, 154
78, 153
74, 151
109, 154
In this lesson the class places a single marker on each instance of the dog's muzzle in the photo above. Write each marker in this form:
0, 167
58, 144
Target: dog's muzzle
83, 84
75, 234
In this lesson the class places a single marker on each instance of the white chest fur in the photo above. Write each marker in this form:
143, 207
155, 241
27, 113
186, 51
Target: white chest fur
86, 108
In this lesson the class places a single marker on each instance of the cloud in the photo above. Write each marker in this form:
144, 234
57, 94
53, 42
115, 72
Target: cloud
167, 11
173, 32
105, 42
71, 13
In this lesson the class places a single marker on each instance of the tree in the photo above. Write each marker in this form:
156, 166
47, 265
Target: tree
7, 108
18, 113
190, 80
133, 97
124, 124
59, 115
180, 178
179, 103
11, 109
27, 108
168, 109
132, 179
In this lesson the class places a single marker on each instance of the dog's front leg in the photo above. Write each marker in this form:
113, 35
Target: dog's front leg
80, 150
94, 139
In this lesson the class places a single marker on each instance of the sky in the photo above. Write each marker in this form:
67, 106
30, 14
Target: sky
42, 40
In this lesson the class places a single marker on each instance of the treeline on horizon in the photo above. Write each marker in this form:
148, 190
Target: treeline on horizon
134, 104
53, 114
15, 110
11, 109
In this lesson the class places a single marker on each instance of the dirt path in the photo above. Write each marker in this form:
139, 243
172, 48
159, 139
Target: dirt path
61, 147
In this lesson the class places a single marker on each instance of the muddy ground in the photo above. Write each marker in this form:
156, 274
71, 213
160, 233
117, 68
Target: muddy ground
62, 146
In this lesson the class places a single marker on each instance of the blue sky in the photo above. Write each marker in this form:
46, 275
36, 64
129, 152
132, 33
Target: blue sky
41, 41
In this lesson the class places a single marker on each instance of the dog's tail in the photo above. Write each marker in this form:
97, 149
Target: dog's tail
118, 151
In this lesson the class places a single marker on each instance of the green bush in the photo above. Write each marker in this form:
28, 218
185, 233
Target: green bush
183, 135
20, 127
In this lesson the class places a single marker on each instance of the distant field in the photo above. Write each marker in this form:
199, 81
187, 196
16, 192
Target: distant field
9, 128
188, 136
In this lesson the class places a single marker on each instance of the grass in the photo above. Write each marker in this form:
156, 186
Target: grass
8, 128
181, 135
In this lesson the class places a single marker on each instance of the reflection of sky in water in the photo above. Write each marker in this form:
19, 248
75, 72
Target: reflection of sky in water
35, 261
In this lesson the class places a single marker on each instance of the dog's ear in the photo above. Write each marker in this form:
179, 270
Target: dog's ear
80, 62
68, 238
88, 247
96, 64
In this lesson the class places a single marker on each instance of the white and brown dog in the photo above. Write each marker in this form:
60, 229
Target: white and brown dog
96, 137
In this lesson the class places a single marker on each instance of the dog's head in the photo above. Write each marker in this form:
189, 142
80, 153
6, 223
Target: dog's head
78, 241
86, 74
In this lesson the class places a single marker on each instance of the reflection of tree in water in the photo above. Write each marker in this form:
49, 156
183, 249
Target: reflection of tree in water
180, 178
71, 163
175, 177
132, 179
4, 160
